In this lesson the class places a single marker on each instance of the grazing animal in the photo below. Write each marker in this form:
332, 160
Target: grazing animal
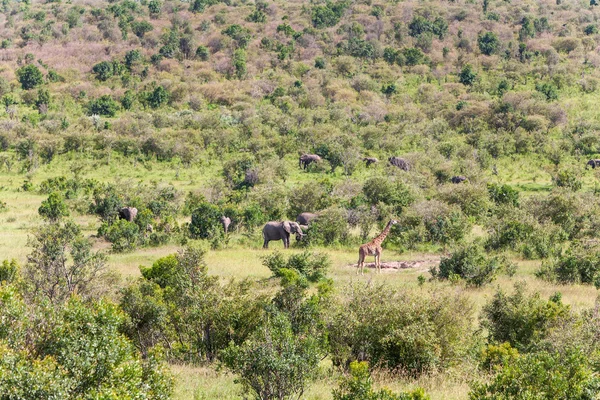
225, 221
593, 163
373, 248
458, 179
305, 218
370, 160
128, 213
400, 163
307, 159
280, 231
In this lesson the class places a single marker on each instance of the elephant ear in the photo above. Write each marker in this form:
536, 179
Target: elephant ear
286, 226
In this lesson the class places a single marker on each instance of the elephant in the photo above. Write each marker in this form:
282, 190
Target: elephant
225, 221
128, 213
400, 163
593, 163
305, 218
370, 160
307, 159
458, 179
275, 230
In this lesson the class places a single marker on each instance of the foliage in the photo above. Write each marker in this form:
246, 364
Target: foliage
104, 105
467, 76
488, 43
205, 221
398, 328
54, 207
542, 375
62, 263
359, 386
30, 76
312, 266
578, 264
520, 319
469, 262
503, 194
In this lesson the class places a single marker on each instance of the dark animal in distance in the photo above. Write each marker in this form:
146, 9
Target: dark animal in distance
593, 163
305, 218
128, 213
370, 160
274, 230
225, 221
458, 179
307, 159
400, 163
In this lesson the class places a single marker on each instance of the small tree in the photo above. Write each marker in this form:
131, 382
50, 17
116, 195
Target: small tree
105, 105
202, 53
205, 221
141, 28
488, 43
62, 263
467, 76
158, 97
54, 207
359, 386
30, 76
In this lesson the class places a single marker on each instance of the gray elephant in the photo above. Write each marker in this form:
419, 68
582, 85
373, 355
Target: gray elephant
593, 163
307, 159
225, 221
370, 160
458, 179
128, 213
305, 218
400, 163
280, 231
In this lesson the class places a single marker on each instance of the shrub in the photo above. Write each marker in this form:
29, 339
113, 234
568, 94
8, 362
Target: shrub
62, 263
388, 191
29, 76
327, 15
274, 362
202, 53
158, 97
488, 43
330, 227
579, 264
467, 76
312, 266
413, 56
567, 178
123, 235
359, 386
520, 319
310, 197
549, 90
104, 70
54, 207
543, 375
205, 222
140, 28
104, 105
472, 199
470, 263
503, 194
9, 271
399, 329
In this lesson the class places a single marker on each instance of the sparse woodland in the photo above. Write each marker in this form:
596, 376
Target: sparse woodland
475, 124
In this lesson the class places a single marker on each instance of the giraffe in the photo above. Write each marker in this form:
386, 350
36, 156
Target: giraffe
373, 248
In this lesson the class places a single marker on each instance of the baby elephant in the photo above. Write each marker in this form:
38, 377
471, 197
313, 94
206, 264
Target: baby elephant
458, 179
307, 159
370, 160
280, 231
128, 213
593, 163
400, 163
225, 221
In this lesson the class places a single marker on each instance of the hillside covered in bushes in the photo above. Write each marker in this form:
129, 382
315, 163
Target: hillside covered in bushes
473, 123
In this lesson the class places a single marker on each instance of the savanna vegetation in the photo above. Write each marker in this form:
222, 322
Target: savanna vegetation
472, 123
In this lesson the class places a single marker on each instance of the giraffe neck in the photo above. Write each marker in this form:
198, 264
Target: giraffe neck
379, 239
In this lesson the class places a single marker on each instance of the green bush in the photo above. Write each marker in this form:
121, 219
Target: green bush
471, 263
9, 271
29, 76
520, 319
399, 329
467, 76
579, 264
359, 386
312, 266
104, 105
123, 235
329, 228
54, 207
140, 28
503, 194
388, 191
205, 221
544, 376
488, 43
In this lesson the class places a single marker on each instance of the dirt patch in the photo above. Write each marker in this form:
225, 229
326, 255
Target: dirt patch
419, 265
